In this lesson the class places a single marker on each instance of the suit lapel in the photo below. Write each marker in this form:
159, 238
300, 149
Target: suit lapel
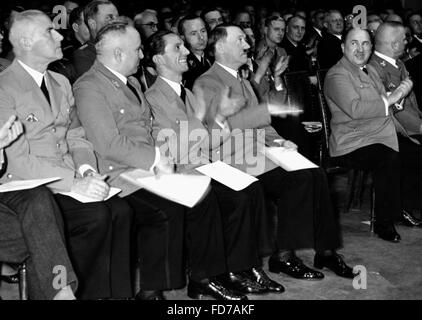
55, 92
31, 89
170, 94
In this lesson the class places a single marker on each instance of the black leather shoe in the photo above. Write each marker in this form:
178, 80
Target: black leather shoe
150, 295
387, 233
213, 289
410, 220
258, 275
295, 268
13, 278
241, 283
335, 263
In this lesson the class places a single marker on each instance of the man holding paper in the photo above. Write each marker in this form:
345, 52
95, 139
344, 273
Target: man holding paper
118, 122
177, 111
53, 145
30, 221
305, 214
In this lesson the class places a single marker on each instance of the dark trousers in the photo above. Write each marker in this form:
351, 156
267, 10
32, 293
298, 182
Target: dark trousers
165, 229
32, 228
98, 236
245, 225
384, 163
304, 210
411, 172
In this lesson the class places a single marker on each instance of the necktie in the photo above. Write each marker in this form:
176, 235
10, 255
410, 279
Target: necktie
242, 83
365, 70
45, 90
183, 93
132, 88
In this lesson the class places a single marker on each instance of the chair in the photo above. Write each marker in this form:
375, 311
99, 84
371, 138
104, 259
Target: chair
356, 177
23, 282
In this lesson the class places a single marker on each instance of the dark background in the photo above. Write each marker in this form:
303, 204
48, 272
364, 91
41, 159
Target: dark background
130, 7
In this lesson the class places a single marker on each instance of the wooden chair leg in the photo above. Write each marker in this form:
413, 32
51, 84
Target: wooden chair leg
23, 285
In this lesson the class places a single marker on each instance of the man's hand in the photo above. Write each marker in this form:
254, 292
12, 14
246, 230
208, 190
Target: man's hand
93, 186
201, 107
290, 145
229, 105
263, 65
164, 166
281, 66
10, 131
400, 92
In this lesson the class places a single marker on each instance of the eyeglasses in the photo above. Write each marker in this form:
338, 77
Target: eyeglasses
152, 25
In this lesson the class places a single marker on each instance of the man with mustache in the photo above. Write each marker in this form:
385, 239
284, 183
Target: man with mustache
304, 211
363, 134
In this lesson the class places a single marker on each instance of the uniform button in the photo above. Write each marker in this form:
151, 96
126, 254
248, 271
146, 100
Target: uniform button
53, 129
9, 176
178, 121
58, 145
122, 111
110, 168
217, 152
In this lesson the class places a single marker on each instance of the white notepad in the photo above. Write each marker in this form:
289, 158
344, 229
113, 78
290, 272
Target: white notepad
289, 160
85, 199
25, 184
184, 189
227, 175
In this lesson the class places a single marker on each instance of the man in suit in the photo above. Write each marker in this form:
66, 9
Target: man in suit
362, 129
97, 14
243, 212
415, 24
30, 223
329, 47
118, 122
53, 145
305, 215
390, 43
193, 31
295, 48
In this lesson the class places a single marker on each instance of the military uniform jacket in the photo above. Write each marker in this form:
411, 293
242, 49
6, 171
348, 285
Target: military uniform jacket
409, 120
116, 122
52, 145
358, 115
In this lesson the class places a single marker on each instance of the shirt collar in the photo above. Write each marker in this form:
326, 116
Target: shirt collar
337, 35
118, 75
36, 75
319, 31
199, 57
229, 70
174, 85
387, 58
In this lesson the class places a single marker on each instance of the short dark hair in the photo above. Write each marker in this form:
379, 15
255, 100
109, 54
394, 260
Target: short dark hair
346, 33
207, 10
156, 44
269, 20
76, 16
295, 17
91, 9
219, 33
189, 17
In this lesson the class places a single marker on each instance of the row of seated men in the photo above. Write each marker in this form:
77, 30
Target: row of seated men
89, 134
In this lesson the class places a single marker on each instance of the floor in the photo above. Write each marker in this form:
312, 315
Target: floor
393, 271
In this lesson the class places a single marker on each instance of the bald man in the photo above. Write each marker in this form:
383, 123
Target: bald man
363, 134
53, 145
390, 43
118, 122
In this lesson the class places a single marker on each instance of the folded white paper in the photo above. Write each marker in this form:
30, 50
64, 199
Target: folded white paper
227, 175
289, 160
184, 189
85, 199
25, 184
